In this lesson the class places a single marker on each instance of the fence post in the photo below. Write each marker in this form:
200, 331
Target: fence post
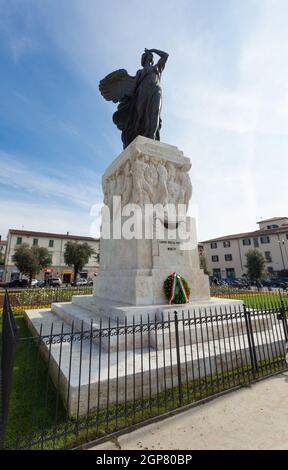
282, 316
8, 348
251, 343
180, 392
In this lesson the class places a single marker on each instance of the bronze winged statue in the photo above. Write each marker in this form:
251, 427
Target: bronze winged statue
139, 97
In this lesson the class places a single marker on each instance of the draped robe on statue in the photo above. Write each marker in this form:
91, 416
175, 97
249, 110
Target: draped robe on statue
139, 100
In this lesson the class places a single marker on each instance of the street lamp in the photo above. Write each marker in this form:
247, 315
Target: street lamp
285, 249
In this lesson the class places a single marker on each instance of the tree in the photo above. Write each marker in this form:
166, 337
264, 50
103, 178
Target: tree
97, 257
77, 255
31, 260
203, 264
255, 264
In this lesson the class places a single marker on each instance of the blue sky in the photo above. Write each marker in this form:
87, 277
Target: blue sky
225, 104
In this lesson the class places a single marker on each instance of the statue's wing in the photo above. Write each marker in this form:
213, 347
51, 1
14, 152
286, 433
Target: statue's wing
116, 85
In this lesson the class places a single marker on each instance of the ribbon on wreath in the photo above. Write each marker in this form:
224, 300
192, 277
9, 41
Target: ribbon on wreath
177, 280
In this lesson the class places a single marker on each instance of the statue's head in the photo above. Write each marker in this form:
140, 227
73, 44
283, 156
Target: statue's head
147, 59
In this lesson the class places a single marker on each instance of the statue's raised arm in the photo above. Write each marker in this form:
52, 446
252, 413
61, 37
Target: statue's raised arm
139, 97
163, 58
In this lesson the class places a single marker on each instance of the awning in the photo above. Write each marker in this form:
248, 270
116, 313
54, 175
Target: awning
13, 269
67, 272
48, 270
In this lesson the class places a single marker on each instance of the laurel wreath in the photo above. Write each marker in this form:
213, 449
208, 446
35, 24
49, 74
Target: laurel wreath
179, 297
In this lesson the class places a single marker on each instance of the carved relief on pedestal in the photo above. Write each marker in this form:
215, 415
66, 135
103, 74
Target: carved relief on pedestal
162, 197
173, 185
127, 184
185, 185
142, 192
148, 180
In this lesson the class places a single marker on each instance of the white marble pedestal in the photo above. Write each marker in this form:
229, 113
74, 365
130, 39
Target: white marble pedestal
129, 286
132, 271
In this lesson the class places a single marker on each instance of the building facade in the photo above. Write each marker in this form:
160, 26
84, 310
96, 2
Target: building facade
3, 244
55, 243
225, 256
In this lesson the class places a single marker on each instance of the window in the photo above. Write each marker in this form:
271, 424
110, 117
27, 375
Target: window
217, 273
287, 236
19, 241
246, 241
272, 226
227, 244
265, 239
270, 270
51, 243
268, 256
213, 245
256, 242
230, 273
215, 258
228, 257
35, 241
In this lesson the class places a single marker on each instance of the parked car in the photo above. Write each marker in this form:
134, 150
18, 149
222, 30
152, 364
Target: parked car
34, 283
22, 283
279, 283
41, 284
236, 283
81, 282
214, 281
55, 282
283, 285
267, 283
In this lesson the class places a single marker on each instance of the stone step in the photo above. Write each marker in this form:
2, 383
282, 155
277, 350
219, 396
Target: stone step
72, 313
158, 338
105, 308
45, 322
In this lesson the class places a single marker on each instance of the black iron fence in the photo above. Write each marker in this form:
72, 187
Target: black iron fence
8, 348
74, 386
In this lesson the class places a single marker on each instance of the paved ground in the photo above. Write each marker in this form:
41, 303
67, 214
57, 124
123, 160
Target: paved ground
255, 417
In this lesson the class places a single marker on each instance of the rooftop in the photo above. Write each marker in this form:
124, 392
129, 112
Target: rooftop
271, 220
67, 235
255, 233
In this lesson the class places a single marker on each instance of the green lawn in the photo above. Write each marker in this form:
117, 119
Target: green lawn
257, 300
37, 417
32, 407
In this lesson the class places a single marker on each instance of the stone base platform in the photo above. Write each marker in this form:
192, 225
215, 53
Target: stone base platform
84, 371
87, 312
88, 307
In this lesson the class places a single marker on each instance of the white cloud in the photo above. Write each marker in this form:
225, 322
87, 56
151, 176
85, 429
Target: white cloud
44, 217
15, 41
46, 182
20, 46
